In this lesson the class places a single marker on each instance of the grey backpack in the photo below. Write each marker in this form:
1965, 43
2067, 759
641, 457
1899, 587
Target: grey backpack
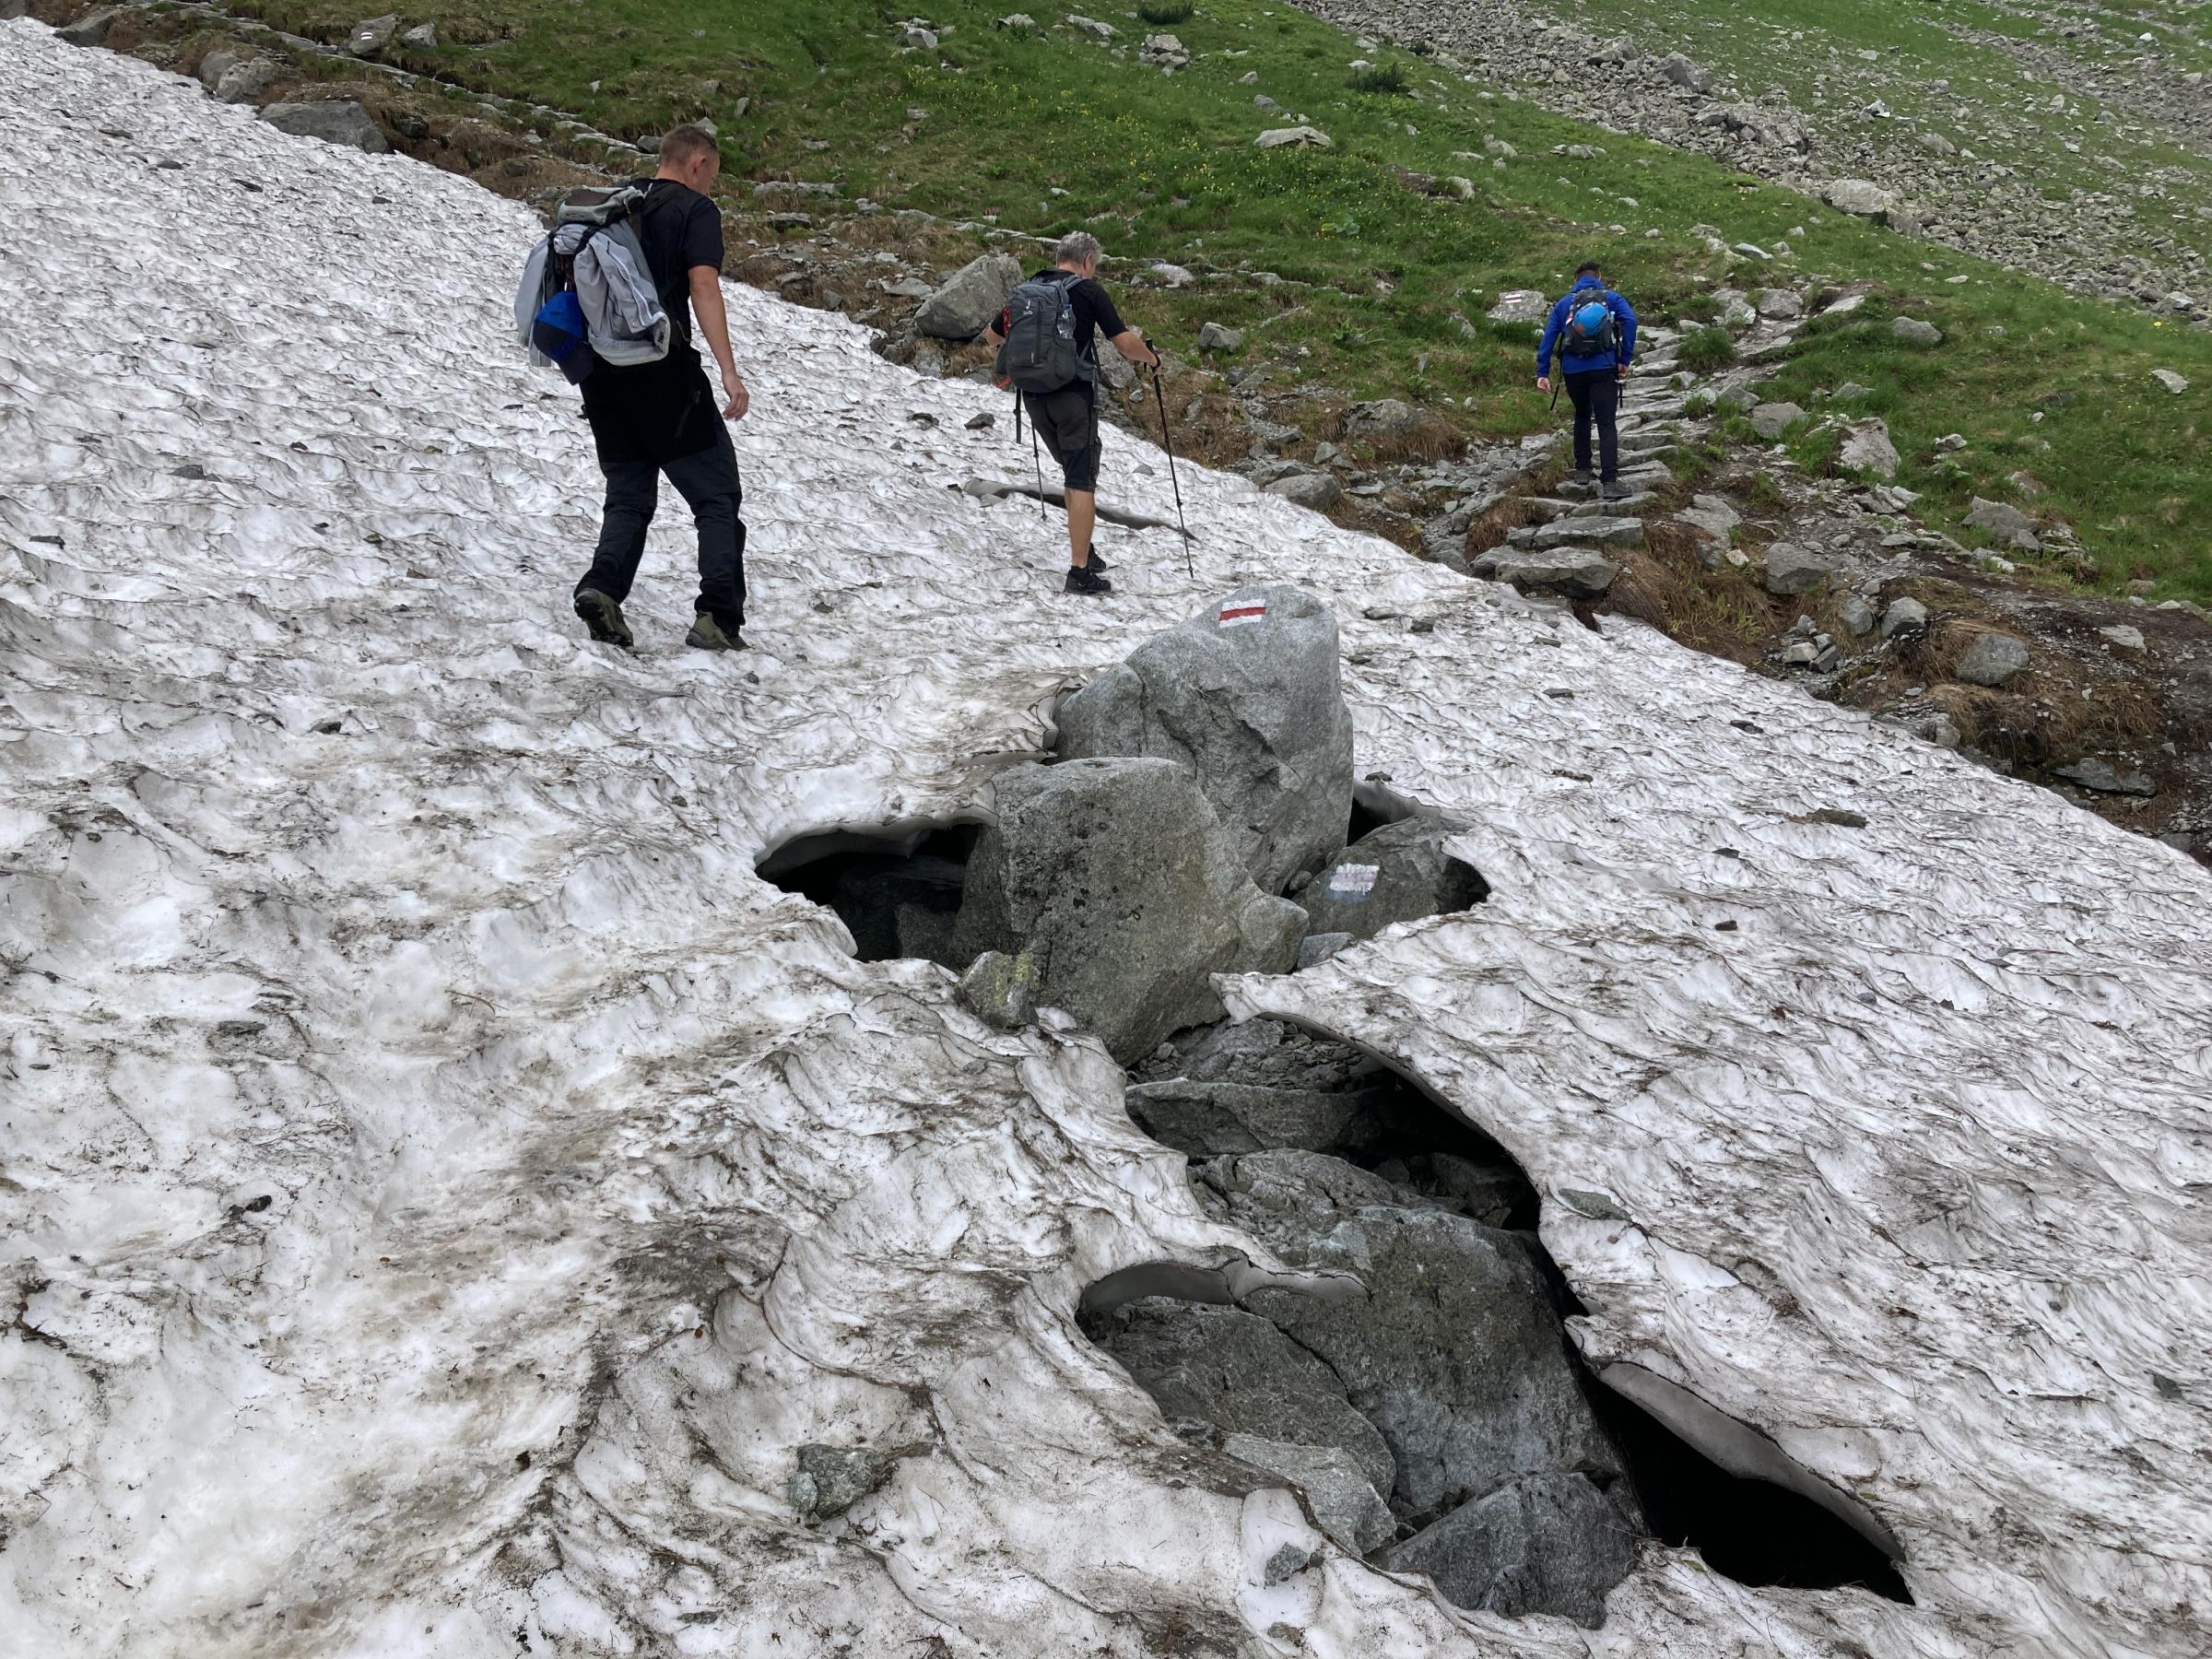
1040, 355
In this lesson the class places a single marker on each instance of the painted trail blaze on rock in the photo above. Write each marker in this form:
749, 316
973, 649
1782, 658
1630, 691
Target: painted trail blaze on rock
1239, 613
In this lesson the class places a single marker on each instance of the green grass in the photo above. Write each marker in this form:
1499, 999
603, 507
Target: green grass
1383, 285
1168, 11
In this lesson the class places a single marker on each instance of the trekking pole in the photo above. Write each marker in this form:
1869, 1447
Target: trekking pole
1035, 459
1167, 440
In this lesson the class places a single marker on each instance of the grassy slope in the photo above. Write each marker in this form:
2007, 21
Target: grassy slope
1164, 169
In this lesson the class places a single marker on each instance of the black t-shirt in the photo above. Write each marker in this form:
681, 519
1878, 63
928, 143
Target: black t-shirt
680, 230
1094, 314
658, 411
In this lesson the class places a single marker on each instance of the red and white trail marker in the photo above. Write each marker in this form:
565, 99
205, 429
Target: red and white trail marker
1236, 613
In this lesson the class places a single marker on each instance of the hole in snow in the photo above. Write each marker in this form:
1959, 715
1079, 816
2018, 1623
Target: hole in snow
1439, 1421
897, 890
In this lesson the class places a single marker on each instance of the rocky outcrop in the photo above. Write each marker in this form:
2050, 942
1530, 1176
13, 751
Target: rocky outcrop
1396, 874
1112, 882
340, 121
1245, 695
968, 300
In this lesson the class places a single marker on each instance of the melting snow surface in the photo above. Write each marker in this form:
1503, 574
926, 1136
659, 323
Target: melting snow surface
442, 1186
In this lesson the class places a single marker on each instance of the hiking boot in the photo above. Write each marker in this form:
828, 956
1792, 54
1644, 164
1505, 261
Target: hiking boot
1582, 475
1614, 492
603, 617
1092, 561
1083, 579
710, 635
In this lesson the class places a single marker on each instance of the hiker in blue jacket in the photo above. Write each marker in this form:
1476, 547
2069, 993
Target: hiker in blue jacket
1594, 332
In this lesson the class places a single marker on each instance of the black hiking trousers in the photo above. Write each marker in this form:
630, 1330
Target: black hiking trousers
1596, 398
708, 481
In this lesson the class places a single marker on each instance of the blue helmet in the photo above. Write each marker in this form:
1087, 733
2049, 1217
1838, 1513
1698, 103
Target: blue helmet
1591, 317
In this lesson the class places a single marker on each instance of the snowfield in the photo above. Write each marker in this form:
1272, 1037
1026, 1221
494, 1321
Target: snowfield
441, 1186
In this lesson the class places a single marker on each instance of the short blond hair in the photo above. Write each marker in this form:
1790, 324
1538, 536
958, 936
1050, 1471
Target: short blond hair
682, 144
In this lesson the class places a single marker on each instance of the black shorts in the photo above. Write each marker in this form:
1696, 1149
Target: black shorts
1067, 422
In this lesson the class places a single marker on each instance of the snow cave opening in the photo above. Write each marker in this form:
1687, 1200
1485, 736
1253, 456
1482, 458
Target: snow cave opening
1442, 1421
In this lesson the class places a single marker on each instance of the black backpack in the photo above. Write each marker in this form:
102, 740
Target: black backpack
1040, 355
1590, 338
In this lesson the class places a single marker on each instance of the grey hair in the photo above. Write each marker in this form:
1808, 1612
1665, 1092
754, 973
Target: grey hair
1077, 247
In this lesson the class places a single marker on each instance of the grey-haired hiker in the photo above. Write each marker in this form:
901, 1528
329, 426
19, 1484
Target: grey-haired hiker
661, 417
1070, 305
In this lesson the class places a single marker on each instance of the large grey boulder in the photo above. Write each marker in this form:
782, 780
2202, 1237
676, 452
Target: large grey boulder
1861, 197
1770, 421
1396, 874
1247, 697
1791, 570
1115, 882
1212, 1119
92, 29
1903, 617
1578, 573
1296, 137
335, 120
369, 38
1237, 1373
1318, 491
1916, 331
2004, 521
232, 79
1385, 418
1866, 448
1539, 1544
1992, 660
1343, 1501
1456, 1353
971, 299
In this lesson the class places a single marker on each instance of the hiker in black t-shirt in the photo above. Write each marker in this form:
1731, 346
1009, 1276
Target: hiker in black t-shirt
651, 418
1068, 419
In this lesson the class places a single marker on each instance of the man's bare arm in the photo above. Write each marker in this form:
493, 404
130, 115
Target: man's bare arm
1131, 344
714, 324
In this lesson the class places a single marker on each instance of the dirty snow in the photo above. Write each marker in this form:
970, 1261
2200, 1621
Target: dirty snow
440, 1186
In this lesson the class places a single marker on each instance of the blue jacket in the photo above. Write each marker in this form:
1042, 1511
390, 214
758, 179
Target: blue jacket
1582, 293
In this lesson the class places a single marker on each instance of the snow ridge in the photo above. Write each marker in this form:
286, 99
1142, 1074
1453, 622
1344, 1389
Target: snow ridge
442, 1188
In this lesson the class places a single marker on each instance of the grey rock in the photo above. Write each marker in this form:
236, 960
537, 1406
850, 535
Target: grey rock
1236, 1370
1860, 198
1092, 27
1576, 572
2126, 638
1780, 305
1215, 1118
1396, 874
1935, 144
1548, 1543
2173, 383
1317, 949
1771, 420
1916, 331
2002, 520
1858, 616
1163, 51
1384, 417
1213, 336
1684, 73
1904, 615
971, 299
1992, 660
1520, 305
832, 1479
1866, 448
1019, 23
1344, 1504
1000, 989
1791, 570
1456, 1352
1255, 708
1606, 532
242, 83
91, 30
981, 420
423, 37
1296, 137
1287, 1564
1117, 881
214, 65
1318, 491
340, 121
369, 38
2102, 777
